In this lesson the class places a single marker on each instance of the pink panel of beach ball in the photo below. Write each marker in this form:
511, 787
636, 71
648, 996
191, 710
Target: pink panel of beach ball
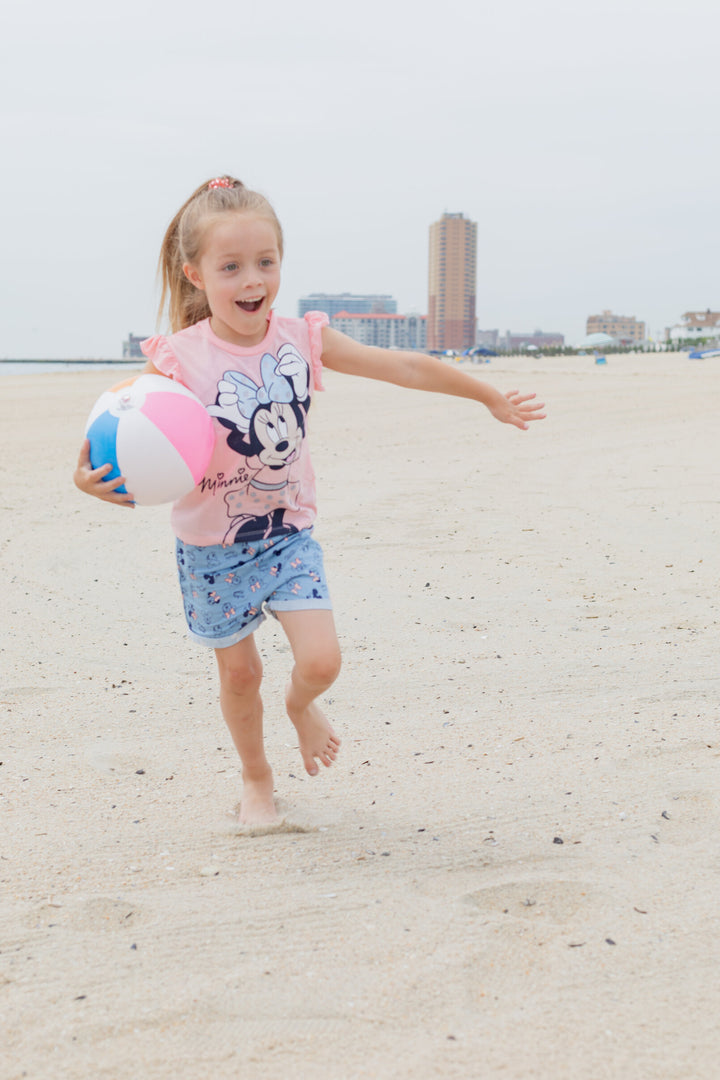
184, 423
155, 472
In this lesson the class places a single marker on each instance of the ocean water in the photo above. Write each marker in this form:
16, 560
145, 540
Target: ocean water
42, 367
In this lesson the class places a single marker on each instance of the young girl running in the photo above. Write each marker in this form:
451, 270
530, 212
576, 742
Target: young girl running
244, 534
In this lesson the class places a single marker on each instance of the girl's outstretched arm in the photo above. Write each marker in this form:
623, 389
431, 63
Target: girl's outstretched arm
420, 372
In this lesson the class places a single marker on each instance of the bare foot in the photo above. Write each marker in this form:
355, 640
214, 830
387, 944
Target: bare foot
315, 732
257, 805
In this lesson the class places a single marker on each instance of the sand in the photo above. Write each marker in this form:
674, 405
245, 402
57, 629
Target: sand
513, 869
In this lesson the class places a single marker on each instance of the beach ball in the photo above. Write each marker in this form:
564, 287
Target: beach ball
155, 433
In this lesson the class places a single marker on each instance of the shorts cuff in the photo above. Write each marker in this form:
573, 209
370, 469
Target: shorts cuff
231, 639
300, 605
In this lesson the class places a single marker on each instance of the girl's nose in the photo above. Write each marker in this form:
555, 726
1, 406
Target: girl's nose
248, 274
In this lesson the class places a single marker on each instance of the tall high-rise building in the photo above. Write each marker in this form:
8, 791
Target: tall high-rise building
451, 289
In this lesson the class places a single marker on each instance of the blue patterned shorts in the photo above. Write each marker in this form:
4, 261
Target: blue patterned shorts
226, 590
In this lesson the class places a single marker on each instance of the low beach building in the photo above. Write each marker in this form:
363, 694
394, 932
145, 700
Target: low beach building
695, 326
384, 331
539, 339
625, 328
131, 348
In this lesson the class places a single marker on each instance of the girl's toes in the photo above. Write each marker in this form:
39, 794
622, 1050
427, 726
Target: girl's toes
310, 766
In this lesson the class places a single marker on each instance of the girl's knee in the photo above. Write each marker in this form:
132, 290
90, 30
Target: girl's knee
320, 669
241, 678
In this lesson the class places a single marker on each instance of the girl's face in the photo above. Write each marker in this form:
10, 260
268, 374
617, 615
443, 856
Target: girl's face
239, 272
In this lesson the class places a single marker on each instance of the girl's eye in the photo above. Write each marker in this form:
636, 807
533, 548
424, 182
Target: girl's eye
265, 263
230, 266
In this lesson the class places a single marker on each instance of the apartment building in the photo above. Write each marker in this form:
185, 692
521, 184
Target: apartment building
623, 327
452, 283
385, 331
354, 303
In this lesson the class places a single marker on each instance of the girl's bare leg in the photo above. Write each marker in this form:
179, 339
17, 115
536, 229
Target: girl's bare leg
317, 658
240, 669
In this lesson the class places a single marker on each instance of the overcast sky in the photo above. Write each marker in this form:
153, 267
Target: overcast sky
582, 136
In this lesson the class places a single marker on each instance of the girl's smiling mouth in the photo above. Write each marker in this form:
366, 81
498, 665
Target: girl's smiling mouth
250, 305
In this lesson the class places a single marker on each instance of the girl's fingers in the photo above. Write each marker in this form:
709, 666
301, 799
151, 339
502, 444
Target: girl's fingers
107, 489
102, 471
93, 482
108, 485
526, 405
107, 493
85, 465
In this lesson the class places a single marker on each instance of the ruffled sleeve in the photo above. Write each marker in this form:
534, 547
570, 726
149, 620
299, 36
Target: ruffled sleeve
159, 351
315, 321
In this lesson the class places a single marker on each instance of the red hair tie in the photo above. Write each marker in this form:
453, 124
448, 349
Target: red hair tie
222, 181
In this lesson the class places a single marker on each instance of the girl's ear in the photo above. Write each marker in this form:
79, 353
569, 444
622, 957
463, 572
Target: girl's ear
193, 276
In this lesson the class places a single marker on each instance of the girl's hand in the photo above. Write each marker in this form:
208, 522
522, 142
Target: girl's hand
91, 480
516, 408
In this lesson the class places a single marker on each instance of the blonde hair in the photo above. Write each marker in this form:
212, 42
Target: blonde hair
183, 242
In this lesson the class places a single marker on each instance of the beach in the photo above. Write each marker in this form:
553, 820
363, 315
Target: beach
511, 871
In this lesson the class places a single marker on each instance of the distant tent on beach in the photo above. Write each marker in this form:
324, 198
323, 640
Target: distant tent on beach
595, 341
480, 350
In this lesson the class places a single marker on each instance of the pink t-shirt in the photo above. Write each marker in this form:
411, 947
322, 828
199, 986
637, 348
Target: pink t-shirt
260, 480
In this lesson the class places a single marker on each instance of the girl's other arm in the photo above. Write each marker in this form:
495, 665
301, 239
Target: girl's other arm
416, 371
93, 482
